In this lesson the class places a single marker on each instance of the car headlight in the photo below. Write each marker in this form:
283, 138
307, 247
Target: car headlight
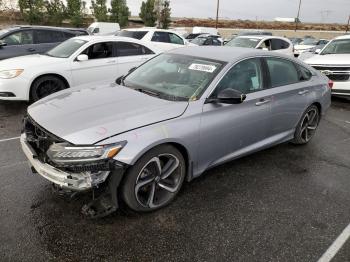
65, 153
7, 74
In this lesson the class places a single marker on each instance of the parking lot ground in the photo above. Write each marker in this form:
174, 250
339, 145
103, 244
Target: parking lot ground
287, 203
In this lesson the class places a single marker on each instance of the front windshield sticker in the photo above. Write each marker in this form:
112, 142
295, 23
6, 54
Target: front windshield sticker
203, 68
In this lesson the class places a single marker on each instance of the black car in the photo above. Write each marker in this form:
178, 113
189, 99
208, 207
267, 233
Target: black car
25, 40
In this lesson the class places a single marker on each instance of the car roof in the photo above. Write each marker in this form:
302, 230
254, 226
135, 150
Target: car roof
343, 37
16, 27
149, 29
223, 53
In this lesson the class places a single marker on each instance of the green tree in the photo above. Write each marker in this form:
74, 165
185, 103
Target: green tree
99, 10
32, 10
55, 10
164, 15
147, 13
74, 12
119, 12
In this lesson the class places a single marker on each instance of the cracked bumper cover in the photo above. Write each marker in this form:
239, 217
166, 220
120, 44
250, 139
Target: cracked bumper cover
73, 181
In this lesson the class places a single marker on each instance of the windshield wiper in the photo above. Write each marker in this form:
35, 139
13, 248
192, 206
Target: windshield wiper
148, 92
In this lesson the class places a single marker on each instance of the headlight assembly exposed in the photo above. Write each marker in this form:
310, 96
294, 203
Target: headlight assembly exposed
7, 74
65, 153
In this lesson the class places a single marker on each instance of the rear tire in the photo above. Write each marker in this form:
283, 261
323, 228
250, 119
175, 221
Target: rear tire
155, 179
307, 126
46, 85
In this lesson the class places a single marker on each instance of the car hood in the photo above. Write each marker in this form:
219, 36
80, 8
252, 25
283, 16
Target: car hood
23, 62
337, 59
88, 115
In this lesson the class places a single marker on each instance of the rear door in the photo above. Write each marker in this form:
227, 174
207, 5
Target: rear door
290, 89
101, 66
17, 44
130, 55
47, 39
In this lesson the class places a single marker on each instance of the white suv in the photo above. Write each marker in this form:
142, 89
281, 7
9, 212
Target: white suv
334, 62
164, 40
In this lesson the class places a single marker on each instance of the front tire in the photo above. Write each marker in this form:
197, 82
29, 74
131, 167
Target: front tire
155, 179
46, 85
307, 126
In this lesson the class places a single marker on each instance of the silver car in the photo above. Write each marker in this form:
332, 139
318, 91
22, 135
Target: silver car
169, 120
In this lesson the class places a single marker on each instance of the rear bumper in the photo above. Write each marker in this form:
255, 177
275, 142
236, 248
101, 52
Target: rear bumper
341, 88
71, 181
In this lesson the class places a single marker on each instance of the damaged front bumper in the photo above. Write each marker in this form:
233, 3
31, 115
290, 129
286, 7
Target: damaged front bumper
72, 181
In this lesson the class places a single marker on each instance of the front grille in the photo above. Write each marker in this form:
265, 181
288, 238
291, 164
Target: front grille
339, 77
39, 138
335, 73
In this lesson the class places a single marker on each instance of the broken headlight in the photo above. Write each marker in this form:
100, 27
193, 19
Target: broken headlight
65, 153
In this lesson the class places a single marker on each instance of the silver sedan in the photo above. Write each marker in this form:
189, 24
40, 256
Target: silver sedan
169, 120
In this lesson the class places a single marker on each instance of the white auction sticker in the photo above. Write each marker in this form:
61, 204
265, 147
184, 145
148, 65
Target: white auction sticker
203, 68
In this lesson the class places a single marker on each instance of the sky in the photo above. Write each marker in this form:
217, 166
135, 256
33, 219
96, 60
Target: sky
328, 11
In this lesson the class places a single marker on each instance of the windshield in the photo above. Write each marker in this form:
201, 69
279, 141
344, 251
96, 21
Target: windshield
309, 41
174, 77
133, 34
244, 42
199, 40
341, 46
67, 48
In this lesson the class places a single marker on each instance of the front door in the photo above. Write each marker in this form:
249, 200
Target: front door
231, 130
100, 68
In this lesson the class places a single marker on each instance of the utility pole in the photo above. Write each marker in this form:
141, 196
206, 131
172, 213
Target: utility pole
217, 14
347, 26
297, 19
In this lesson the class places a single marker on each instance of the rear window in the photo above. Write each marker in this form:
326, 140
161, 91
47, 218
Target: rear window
133, 34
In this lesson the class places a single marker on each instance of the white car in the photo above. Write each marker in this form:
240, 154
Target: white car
268, 43
164, 40
75, 62
309, 44
334, 62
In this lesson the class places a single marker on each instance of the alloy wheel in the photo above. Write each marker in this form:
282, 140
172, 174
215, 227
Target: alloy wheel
309, 125
158, 181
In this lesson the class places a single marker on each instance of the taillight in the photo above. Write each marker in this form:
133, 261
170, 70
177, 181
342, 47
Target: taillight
330, 84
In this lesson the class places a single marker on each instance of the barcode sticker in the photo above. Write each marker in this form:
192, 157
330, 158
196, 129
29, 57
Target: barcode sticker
203, 68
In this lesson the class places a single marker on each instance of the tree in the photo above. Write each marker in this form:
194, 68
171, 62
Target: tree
32, 10
147, 13
55, 12
164, 15
99, 10
119, 12
74, 12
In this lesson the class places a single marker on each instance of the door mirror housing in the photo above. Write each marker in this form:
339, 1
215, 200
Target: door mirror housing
228, 96
317, 51
2, 43
82, 58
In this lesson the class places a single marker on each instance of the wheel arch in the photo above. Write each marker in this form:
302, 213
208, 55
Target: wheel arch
47, 74
179, 146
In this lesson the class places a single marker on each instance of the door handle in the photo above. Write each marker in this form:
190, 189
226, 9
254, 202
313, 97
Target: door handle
31, 49
262, 102
304, 92
111, 62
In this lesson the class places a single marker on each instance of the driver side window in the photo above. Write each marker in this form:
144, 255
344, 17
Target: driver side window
245, 77
99, 50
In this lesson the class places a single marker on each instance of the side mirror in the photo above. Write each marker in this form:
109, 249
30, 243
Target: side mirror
228, 96
317, 51
82, 58
265, 49
2, 43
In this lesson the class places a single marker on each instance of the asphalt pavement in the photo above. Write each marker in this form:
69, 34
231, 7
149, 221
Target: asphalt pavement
287, 203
